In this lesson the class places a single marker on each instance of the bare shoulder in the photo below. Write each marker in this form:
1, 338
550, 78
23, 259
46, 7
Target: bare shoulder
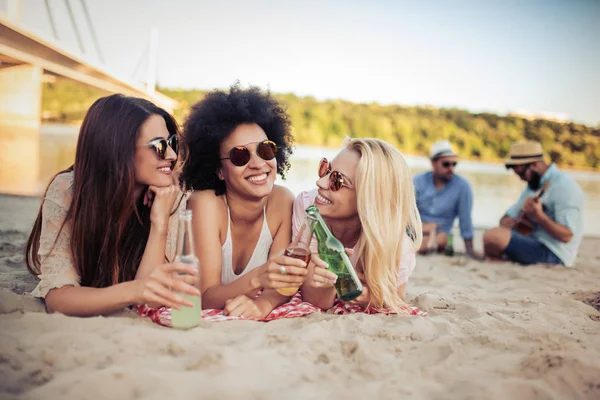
281, 195
280, 203
206, 202
279, 208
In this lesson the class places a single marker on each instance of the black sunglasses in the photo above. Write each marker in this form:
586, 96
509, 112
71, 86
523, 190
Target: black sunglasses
447, 164
526, 167
240, 155
160, 145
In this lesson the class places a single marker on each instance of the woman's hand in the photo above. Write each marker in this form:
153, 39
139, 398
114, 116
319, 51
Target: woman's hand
161, 201
321, 276
163, 285
365, 297
245, 307
280, 272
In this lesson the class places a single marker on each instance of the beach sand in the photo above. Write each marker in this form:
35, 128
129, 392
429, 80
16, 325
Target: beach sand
494, 331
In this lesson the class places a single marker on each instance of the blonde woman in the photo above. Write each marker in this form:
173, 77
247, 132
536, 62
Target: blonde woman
366, 197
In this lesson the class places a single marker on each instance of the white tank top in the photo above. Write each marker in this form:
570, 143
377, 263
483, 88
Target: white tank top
258, 258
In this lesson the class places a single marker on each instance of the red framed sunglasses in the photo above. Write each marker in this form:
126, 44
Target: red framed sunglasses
240, 155
336, 179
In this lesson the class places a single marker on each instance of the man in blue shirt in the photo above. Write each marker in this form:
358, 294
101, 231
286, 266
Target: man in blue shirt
545, 228
441, 197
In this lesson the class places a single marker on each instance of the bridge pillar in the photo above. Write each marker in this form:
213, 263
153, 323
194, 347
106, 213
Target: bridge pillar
20, 122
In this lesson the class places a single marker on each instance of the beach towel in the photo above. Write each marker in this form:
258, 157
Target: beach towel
292, 309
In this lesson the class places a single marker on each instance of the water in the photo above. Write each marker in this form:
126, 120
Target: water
495, 189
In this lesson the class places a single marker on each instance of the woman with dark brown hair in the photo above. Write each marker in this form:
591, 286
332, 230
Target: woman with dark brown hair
106, 229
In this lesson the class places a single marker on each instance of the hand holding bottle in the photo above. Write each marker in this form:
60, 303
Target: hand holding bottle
321, 276
189, 316
348, 286
300, 249
279, 272
365, 297
162, 286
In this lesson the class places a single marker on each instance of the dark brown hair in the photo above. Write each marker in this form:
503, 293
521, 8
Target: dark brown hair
110, 227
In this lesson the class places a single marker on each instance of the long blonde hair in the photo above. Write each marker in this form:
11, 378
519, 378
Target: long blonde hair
387, 209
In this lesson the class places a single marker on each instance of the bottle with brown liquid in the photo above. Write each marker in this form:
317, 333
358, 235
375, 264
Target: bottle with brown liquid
300, 249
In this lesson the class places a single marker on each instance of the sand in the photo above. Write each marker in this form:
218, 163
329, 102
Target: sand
494, 331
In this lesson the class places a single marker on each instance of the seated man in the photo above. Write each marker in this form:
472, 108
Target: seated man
441, 197
556, 217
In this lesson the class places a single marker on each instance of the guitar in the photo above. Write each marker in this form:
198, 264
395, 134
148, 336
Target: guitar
524, 225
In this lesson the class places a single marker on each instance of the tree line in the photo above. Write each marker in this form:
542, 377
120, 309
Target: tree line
476, 136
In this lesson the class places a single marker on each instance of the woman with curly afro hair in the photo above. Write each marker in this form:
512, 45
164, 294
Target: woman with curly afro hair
238, 141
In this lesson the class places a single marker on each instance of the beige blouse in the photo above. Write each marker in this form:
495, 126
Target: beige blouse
57, 269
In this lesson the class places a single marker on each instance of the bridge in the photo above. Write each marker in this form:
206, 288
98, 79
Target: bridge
25, 59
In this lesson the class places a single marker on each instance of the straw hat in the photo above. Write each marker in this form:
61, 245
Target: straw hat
442, 148
524, 153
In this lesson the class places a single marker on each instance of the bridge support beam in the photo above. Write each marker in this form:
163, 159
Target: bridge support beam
20, 121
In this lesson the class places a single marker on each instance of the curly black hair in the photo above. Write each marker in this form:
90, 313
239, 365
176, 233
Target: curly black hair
213, 118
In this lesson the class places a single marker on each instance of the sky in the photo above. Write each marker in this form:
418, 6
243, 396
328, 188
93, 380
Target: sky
528, 56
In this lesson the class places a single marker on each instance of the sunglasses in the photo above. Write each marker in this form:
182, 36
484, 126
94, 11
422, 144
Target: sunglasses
447, 164
336, 179
240, 155
522, 169
160, 145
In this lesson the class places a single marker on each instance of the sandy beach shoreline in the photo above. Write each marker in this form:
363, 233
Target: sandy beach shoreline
494, 331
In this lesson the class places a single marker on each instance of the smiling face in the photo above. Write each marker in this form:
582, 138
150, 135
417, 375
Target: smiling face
149, 168
257, 177
339, 204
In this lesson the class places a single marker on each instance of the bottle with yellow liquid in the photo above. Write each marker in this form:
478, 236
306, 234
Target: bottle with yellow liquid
300, 249
187, 317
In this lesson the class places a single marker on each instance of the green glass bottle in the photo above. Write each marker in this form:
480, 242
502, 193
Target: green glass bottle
331, 250
449, 251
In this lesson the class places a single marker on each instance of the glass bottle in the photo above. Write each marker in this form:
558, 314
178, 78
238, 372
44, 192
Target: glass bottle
332, 251
187, 317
